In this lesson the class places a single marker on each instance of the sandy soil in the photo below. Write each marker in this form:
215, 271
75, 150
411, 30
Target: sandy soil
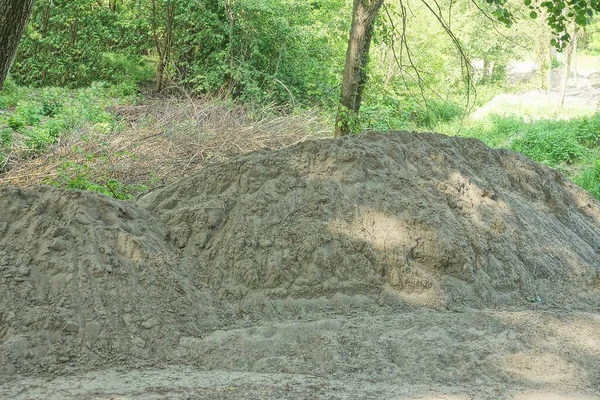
380, 266
426, 354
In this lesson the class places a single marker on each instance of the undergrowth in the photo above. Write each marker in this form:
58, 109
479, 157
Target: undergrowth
117, 144
571, 146
32, 120
111, 143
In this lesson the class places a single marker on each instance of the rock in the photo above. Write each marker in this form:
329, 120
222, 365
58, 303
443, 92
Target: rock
71, 327
92, 330
138, 342
263, 243
149, 323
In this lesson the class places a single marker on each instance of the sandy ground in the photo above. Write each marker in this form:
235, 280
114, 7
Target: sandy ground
424, 354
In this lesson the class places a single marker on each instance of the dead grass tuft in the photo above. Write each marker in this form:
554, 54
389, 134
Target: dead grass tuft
164, 140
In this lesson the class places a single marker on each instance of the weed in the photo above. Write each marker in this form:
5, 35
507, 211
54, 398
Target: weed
551, 147
9, 94
51, 103
437, 112
589, 179
16, 122
73, 175
6, 137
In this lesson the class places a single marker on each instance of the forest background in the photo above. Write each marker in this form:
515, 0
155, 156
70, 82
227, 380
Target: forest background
215, 78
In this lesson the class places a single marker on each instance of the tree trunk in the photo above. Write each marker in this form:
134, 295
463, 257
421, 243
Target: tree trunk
13, 19
230, 12
575, 65
567, 69
163, 45
549, 73
355, 76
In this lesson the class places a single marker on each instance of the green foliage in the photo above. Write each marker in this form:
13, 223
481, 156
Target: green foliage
5, 137
42, 116
73, 175
559, 15
16, 122
348, 120
72, 43
571, 145
589, 179
551, 147
52, 103
548, 141
436, 112
587, 131
282, 51
8, 95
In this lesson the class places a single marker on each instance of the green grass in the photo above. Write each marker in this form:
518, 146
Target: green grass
32, 119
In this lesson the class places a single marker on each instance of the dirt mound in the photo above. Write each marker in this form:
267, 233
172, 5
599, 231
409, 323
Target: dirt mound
87, 280
326, 226
437, 220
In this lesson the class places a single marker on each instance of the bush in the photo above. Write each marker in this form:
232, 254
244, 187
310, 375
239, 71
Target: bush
588, 131
438, 112
550, 142
550, 147
9, 95
16, 122
52, 101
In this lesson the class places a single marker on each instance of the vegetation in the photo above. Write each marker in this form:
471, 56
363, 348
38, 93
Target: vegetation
82, 67
571, 146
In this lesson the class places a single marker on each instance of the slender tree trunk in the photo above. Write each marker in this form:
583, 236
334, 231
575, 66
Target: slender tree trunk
486, 70
391, 65
163, 47
355, 76
13, 19
549, 73
229, 10
567, 69
575, 65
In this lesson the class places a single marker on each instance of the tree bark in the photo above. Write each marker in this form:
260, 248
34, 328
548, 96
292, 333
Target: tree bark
164, 45
357, 55
567, 67
230, 12
13, 19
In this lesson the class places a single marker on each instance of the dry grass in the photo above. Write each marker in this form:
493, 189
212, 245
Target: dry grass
164, 140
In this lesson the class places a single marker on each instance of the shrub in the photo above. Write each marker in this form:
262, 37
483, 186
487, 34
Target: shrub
548, 143
438, 112
16, 122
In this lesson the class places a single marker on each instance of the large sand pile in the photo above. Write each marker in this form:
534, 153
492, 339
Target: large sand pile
439, 220
329, 227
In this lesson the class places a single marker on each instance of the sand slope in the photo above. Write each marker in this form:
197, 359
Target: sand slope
394, 260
